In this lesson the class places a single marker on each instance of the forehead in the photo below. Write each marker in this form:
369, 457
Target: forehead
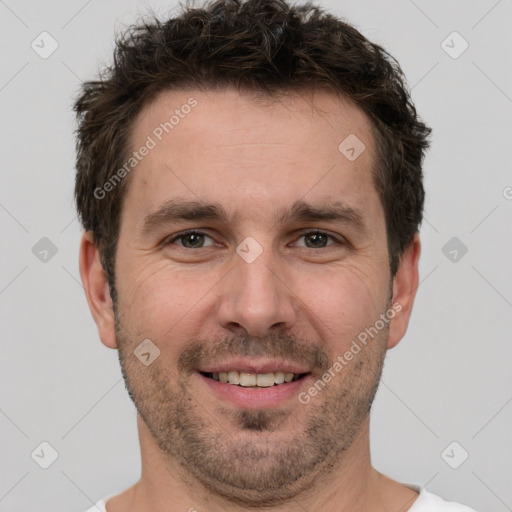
252, 154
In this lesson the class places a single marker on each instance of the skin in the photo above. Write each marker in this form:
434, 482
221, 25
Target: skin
303, 299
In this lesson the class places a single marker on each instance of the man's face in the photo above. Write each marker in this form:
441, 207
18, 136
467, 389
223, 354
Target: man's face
263, 291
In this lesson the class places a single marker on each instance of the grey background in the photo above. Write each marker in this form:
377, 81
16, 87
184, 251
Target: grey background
448, 380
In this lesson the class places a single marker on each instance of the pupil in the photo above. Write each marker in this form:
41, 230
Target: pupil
317, 236
191, 236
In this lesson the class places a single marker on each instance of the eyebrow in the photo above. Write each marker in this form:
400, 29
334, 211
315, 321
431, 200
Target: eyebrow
180, 209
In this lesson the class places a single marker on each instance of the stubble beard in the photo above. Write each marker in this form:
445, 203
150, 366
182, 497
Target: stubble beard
259, 465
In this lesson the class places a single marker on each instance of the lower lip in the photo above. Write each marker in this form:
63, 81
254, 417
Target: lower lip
255, 398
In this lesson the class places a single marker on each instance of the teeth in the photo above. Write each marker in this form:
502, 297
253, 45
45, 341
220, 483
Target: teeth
247, 379
262, 380
234, 378
279, 377
265, 380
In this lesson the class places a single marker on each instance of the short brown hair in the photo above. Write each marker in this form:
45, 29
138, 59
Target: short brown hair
264, 46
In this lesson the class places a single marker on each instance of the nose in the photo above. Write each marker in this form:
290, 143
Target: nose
256, 298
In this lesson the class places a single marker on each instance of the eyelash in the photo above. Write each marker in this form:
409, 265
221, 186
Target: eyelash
183, 234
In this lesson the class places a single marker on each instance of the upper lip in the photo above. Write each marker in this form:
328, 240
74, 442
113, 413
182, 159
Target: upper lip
254, 365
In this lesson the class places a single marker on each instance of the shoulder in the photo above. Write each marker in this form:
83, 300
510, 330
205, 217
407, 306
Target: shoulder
98, 507
429, 502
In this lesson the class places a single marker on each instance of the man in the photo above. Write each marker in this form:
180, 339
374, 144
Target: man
249, 181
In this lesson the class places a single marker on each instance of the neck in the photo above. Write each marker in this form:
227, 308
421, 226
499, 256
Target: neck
351, 485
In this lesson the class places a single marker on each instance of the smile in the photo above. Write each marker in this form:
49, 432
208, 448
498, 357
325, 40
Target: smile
260, 380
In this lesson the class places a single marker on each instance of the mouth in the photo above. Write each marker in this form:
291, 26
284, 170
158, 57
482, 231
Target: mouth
254, 380
254, 384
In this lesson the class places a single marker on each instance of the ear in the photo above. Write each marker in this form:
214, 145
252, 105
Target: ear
96, 288
405, 284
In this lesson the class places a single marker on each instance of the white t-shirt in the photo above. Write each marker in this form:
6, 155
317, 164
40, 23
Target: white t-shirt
425, 502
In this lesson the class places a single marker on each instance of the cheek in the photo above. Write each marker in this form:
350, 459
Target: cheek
342, 304
161, 302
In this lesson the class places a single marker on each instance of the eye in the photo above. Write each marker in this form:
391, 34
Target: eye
196, 240
189, 240
317, 239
